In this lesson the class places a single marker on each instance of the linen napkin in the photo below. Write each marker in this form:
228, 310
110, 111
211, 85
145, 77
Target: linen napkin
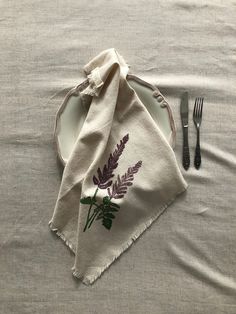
121, 175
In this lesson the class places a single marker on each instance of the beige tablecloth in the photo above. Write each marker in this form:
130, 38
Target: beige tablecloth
186, 262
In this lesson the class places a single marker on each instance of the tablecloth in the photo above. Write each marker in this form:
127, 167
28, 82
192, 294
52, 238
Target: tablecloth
186, 261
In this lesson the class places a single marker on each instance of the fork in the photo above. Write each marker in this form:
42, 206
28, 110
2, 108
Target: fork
197, 119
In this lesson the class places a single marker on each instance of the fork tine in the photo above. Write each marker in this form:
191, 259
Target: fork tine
195, 108
201, 107
196, 104
197, 111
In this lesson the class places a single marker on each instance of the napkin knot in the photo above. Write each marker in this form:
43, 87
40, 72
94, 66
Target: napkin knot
99, 69
95, 83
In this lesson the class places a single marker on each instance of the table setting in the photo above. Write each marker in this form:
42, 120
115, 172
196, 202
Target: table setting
115, 115
118, 157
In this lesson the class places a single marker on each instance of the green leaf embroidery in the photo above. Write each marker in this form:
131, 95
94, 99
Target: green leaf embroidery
106, 200
86, 200
114, 205
110, 209
107, 223
109, 215
104, 211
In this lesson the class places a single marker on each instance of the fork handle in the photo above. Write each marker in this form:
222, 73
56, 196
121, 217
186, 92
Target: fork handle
186, 155
197, 159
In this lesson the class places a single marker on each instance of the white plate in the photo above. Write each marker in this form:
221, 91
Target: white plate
72, 114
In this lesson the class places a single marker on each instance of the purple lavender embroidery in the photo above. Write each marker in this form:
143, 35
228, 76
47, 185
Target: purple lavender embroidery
103, 180
106, 210
119, 188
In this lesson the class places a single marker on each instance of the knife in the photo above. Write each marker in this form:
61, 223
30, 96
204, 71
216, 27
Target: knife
184, 118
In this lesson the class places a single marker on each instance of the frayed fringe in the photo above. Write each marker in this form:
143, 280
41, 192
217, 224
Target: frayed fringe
89, 279
86, 280
95, 83
62, 236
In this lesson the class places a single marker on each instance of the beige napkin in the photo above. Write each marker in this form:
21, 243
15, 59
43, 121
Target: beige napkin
121, 175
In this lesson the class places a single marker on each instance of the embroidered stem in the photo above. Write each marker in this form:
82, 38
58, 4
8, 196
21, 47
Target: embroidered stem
90, 207
95, 213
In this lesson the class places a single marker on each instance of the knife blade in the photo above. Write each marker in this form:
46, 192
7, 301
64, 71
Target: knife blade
184, 118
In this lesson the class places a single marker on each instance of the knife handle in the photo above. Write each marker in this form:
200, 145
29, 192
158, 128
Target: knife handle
186, 155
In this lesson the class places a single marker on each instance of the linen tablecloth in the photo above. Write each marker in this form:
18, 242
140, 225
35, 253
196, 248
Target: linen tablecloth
185, 263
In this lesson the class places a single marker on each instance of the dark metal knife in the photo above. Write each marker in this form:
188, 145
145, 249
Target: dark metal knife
184, 118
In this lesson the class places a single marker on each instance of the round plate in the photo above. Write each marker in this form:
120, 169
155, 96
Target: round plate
72, 114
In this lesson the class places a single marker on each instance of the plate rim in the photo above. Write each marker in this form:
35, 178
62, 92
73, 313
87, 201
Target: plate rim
76, 91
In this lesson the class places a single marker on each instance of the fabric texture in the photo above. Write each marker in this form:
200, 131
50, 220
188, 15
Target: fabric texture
115, 183
185, 262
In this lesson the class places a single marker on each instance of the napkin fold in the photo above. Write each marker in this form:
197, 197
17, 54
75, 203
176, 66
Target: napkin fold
121, 175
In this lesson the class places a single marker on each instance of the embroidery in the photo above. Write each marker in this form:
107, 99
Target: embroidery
115, 190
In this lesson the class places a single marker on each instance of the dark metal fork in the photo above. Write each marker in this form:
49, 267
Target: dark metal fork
197, 118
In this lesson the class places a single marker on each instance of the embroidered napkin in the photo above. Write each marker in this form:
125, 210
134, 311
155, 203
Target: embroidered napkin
121, 175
